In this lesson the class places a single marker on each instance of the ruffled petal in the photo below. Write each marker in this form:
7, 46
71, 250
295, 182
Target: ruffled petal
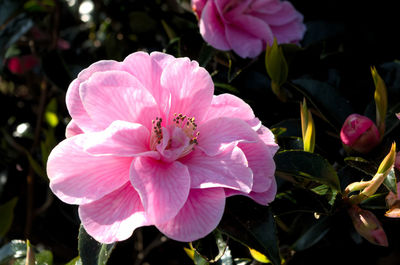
163, 187
261, 163
73, 99
115, 216
263, 198
199, 216
217, 134
243, 43
77, 177
212, 27
228, 169
227, 105
191, 88
292, 32
285, 15
121, 138
148, 71
72, 129
117, 95
268, 138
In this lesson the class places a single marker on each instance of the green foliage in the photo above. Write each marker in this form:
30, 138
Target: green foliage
305, 166
15, 253
7, 215
253, 226
91, 251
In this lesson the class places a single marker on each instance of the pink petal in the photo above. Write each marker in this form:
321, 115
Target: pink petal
148, 71
121, 138
266, 6
191, 87
292, 32
285, 15
261, 163
199, 216
197, 6
253, 26
217, 134
268, 138
212, 27
163, 187
77, 177
243, 43
117, 95
227, 105
73, 99
263, 198
115, 216
163, 59
72, 129
228, 169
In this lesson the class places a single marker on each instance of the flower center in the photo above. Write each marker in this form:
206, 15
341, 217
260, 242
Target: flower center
175, 140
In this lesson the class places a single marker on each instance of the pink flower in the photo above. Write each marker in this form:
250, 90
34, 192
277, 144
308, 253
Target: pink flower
22, 64
368, 226
149, 144
359, 133
246, 26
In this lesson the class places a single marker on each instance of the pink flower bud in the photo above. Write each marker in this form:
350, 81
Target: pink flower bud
21, 65
368, 226
359, 133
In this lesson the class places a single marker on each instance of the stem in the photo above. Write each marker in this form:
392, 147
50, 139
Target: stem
30, 176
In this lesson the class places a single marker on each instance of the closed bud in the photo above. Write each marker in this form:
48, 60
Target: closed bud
359, 133
368, 226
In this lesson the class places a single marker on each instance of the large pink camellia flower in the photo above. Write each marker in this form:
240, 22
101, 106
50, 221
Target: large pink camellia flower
246, 26
149, 144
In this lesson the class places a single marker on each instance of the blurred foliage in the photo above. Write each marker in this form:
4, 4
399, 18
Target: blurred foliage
306, 224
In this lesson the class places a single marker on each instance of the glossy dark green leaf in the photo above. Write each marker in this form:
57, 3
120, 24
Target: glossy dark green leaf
252, 225
313, 235
205, 55
242, 261
326, 99
212, 247
290, 143
13, 250
390, 181
91, 251
292, 127
309, 166
7, 216
362, 165
375, 202
12, 32
8, 8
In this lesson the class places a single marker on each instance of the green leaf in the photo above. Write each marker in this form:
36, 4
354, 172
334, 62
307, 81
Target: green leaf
50, 114
75, 261
44, 257
227, 87
292, 127
91, 251
205, 55
275, 64
313, 235
325, 98
7, 215
375, 202
362, 165
211, 247
390, 181
13, 250
12, 32
291, 143
307, 166
252, 225
381, 100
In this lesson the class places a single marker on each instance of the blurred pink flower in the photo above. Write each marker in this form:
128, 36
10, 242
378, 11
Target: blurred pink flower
247, 26
359, 133
149, 144
22, 64
368, 226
